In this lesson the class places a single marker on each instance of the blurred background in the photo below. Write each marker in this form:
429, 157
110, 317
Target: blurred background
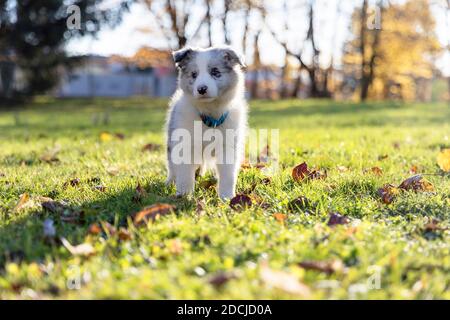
343, 50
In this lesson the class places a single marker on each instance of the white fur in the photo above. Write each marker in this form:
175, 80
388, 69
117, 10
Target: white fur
184, 110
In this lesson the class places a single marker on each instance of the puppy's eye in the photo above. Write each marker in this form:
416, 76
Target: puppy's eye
194, 74
215, 72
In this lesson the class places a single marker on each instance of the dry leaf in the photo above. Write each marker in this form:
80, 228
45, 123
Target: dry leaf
95, 228
139, 193
100, 188
24, 202
336, 218
417, 183
119, 135
327, 267
240, 201
300, 203
284, 281
300, 172
221, 278
377, 171
414, 169
124, 234
152, 213
443, 160
280, 217
106, 136
151, 147
84, 249
73, 183
388, 193
383, 157
433, 225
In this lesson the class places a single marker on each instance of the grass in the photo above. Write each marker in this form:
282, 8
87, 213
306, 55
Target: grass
186, 254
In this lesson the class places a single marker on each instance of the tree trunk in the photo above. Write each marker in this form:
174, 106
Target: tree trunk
364, 74
257, 65
298, 83
208, 21
226, 11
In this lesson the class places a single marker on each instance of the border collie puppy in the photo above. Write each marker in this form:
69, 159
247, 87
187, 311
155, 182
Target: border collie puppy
207, 119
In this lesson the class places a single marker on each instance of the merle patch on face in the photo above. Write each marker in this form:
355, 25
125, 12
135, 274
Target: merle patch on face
209, 73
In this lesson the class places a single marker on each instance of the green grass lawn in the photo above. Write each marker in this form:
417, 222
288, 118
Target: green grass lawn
218, 252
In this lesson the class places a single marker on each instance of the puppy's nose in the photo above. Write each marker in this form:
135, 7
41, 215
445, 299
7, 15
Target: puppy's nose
202, 89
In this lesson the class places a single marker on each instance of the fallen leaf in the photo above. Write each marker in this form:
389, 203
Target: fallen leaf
416, 183
95, 229
248, 166
106, 136
124, 234
388, 193
280, 217
151, 147
119, 135
240, 201
221, 278
300, 172
152, 213
139, 193
443, 160
300, 203
55, 206
433, 225
100, 188
284, 281
73, 183
327, 267
84, 249
208, 183
336, 218
377, 171
383, 157
414, 169
24, 202
266, 181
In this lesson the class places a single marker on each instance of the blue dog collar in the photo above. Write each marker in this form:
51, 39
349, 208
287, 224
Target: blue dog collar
213, 122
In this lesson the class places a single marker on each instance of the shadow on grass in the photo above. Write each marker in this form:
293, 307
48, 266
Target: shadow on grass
23, 239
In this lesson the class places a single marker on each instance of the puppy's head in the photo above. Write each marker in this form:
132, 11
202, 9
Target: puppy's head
208, 74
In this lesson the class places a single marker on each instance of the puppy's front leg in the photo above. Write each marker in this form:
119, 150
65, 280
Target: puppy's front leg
185, 178
227, 180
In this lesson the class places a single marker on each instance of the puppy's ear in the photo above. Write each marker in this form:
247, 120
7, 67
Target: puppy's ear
181, 56
233, 58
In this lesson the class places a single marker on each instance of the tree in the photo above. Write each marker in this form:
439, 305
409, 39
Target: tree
33, 35
390, 59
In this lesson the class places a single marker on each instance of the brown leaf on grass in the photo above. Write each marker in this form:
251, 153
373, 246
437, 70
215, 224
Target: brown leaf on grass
300, 203
413, 169
300, 172
124, 234
336, 218
240, 202
266, 181
50, 156
54, 206
280, 217
84, 249
248, 166
284, 281
433, 226
377, 171
100, 188
221, 278
208, 183
417, 183
443, 160
388, 193
327, 267
72, 182
152, 213
119, 135
95, 229
383, 157
139, 193
151, 147
24, 202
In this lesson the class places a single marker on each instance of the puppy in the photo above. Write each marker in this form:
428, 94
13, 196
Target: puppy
207, 119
